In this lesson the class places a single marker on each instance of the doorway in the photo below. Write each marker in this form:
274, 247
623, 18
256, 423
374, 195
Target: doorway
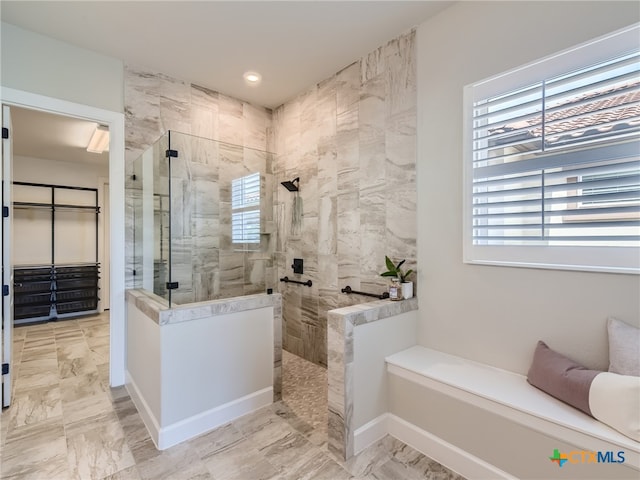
115, 123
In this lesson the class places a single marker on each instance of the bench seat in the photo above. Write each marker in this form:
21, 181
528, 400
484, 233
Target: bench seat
507, 394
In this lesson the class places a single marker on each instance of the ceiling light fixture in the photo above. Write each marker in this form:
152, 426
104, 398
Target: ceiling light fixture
99, 140
252, 78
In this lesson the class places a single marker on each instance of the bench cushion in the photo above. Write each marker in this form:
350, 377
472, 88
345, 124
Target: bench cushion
561, 377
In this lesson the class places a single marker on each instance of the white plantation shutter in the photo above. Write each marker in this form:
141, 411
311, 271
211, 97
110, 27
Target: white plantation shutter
556, 162
245, 208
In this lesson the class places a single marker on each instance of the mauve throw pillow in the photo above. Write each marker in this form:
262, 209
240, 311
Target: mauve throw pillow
561, 377
624, 348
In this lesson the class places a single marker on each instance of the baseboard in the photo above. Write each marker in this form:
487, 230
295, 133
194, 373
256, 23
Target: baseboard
443, 452
213, 418
148, 418
165, 437
370, 433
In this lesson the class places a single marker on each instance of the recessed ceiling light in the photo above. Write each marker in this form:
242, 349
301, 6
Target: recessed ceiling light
252, 78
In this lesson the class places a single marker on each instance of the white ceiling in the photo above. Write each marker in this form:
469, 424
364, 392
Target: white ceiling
293, 44
55, 137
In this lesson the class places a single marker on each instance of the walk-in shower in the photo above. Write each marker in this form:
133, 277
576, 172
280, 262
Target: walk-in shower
203, 219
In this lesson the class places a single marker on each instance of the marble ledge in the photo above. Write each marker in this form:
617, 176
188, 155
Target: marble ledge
157, 308
373, 311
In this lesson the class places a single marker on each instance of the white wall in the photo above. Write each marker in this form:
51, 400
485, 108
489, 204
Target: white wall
372, 342
215, 360
45, 74
200, 372
144, 366
75, 231
40, 170
43, 65
496, 314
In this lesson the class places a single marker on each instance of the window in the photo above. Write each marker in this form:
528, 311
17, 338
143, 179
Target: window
552, 161
245, 209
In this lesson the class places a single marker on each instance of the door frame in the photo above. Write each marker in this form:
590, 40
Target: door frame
6, 343
115, 122
105, 270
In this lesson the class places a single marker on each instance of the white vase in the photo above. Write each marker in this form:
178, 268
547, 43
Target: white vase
407, 290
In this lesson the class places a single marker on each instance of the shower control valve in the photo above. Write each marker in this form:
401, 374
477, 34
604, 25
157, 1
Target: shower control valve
298, 266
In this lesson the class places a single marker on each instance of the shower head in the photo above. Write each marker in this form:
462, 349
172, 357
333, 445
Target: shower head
289, 185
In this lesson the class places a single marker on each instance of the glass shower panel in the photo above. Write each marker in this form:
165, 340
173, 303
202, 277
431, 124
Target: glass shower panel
149, 192
246, 199
221, 219
133, 186
196, 219
203, 219
158, 200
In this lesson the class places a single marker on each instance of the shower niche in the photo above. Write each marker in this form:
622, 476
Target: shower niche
203, 219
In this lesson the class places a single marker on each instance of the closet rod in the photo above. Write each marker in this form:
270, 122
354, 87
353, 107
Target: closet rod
50, 185
57, 205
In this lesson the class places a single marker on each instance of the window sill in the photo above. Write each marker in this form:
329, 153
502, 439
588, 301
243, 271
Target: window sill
547, 266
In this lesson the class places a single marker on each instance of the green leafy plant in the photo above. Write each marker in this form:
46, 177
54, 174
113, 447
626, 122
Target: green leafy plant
394, 270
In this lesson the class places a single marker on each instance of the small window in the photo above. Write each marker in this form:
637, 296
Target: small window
245, 209
552, 161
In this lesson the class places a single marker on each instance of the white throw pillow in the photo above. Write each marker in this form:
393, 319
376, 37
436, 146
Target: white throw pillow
614, 400
624, 348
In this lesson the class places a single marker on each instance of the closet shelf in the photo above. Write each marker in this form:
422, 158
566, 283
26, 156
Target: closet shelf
50, 206
57, 289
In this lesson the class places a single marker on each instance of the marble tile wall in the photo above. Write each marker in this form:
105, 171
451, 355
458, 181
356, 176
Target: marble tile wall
204, 261
341, 369
352, 141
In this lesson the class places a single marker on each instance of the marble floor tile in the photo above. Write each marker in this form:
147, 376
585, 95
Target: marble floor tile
180, 461
86, 409
36, 373
37, 451
117, 393
66, 423
68, 336
100, 355
370, 458
75, 367
144, 450
38, 340
95, 330
16, 349
103, 372
217, 440
38, 350
101, 341
81, 386
39, 330
320, 467
19, 333
239, 462
130, 473
77, 349
64, 324
34, 406
97, 448
288, 452
4, 426
140, 443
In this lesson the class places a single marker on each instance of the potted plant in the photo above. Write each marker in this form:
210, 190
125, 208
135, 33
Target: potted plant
396, 271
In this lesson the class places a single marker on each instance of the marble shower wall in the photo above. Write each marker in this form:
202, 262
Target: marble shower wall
352, 141
205, 263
